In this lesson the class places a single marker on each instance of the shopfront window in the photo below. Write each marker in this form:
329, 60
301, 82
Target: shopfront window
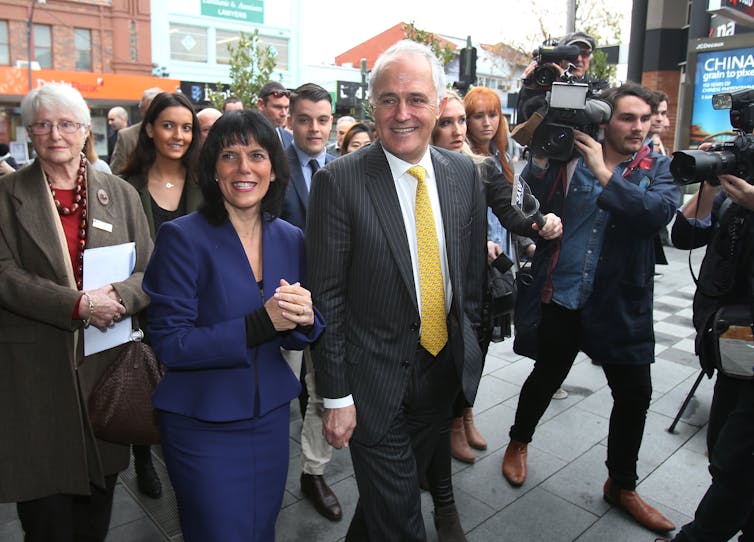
228, 37
188, 43
223, 38
4, 45
82, 39
43, 45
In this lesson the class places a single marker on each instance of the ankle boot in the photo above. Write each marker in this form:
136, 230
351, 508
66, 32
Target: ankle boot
459, 446
146, 477
643, 513
514, 462
448, 524
473, 436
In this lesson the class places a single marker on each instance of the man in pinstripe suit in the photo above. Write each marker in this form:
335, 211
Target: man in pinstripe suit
385, 394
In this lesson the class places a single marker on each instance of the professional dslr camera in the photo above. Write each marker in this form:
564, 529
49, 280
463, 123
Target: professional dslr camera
543, 75
570, 106
735, 157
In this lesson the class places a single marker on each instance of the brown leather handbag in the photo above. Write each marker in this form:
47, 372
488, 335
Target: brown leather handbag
120, 406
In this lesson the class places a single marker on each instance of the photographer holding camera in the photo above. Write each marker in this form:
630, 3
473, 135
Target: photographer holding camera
593, 289
724, 221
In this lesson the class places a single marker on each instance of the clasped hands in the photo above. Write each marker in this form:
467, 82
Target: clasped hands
108, 307
290, 306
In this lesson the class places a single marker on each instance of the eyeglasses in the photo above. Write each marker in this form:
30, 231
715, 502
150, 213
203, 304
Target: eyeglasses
278, 94
45, 127
585, 52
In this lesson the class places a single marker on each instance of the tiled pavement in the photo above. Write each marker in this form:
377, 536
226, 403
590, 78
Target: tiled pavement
561, 500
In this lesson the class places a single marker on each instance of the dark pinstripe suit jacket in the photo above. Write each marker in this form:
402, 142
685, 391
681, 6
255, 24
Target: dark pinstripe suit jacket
362, 280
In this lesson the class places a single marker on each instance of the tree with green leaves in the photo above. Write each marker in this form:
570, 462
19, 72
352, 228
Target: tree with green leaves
251, 64
443, 51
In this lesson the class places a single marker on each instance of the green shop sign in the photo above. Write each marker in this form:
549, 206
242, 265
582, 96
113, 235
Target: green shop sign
250, 11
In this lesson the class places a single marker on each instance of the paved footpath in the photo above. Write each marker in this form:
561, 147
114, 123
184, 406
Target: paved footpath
562, 498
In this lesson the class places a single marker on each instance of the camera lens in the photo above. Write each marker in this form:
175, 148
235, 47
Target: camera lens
694, 166
544, 76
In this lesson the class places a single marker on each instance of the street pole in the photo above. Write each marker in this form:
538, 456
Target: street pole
570, 16
363, 88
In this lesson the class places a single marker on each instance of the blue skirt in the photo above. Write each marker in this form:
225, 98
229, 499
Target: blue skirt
228, 477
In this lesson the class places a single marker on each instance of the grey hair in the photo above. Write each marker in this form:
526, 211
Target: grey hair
346, 118
55, 96
405, 47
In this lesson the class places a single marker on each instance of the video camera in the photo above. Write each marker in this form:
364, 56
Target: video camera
735, 157
545, 76
570, 106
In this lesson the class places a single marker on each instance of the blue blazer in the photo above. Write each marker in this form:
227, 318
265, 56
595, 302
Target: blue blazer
202, 287
297, 194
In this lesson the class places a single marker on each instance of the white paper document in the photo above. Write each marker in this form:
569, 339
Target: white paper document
105, 265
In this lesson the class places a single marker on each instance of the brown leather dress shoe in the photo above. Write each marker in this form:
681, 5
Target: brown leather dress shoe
473, 436
643, 513
314, 488
459, 446
514, 463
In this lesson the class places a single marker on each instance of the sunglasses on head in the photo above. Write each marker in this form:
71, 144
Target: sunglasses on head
278, 94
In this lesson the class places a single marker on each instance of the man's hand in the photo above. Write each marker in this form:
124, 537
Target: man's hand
738, 190
591, 150
552, 229
338, 425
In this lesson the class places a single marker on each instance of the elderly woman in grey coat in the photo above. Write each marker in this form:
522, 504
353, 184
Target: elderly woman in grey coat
51, 464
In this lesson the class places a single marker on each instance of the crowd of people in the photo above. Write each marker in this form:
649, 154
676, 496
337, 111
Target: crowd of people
356, 276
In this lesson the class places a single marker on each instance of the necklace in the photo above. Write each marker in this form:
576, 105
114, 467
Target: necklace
169, 185
77, 207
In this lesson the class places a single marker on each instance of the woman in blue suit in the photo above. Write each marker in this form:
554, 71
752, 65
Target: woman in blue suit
227, 294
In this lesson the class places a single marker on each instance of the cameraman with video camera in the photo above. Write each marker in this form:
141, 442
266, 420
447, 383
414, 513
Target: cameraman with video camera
551, 62
593, 289
723, 219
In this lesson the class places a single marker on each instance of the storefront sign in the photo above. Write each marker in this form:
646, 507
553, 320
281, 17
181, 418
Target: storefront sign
92, 86
250, 11
741, 11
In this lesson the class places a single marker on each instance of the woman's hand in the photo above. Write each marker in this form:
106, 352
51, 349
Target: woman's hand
493, 251
291, 306
108, 308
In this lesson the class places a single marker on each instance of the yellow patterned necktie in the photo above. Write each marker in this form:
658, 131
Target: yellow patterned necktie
434, 332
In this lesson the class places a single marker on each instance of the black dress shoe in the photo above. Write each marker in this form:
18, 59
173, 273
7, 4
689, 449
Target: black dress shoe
315, 489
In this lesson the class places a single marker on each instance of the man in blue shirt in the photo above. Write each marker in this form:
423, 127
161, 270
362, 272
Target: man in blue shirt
592, 290
310, 121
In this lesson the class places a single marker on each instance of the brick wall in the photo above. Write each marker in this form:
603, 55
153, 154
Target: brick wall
669, 82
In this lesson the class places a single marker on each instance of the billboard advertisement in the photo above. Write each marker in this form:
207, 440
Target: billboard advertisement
718, 71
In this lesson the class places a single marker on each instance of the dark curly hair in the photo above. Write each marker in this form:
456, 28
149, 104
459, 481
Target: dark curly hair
144, 155
238, 128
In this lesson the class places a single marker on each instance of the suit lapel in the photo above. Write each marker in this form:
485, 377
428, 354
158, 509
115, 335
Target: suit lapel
297, 179
34, 211
101, 208
447, 191
380, 185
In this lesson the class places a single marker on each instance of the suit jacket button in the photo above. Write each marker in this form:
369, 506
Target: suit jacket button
404, 364
414, 327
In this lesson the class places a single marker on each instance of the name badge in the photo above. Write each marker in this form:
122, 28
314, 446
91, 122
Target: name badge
96, 223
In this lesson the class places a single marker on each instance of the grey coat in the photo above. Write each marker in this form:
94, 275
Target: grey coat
47, 442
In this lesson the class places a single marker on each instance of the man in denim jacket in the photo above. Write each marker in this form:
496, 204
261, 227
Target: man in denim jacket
592, 290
